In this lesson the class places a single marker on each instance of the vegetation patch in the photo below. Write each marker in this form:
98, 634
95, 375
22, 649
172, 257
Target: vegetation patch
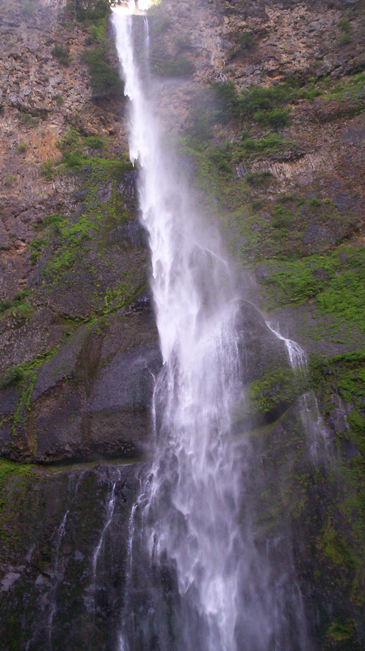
104, 78
46, 170
274, 392
245, 42
258, 178
336, 281
62, 54
90, 10
11, 468
341, 631
19, 306
342, 540
22, 147
24, 376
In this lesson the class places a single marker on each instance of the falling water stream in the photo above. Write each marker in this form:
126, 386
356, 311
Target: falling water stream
197, 578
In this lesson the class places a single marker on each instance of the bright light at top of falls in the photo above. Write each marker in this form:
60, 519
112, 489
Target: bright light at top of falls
133, 7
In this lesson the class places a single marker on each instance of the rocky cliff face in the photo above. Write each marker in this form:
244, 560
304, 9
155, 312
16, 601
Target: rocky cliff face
265, 104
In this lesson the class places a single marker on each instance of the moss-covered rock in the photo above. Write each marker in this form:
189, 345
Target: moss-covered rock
50, 527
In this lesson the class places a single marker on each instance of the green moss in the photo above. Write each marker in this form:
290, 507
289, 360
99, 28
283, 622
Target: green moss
274, 390
24, 375
37, 246
334, 546
10, 468
251, 147
264, 106
341, 631
343, 535
79, 247
336, 280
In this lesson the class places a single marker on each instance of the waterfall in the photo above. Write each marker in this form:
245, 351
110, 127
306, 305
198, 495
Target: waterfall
197, 576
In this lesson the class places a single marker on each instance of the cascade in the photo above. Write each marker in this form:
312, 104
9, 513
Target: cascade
311, 418
198, 577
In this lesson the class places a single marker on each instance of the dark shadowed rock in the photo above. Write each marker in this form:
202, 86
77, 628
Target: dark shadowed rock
91, 398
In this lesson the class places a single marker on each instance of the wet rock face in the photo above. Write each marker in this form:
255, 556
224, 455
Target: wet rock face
91, 398
260, 349
50, 580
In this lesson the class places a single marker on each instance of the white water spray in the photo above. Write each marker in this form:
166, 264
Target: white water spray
191, 523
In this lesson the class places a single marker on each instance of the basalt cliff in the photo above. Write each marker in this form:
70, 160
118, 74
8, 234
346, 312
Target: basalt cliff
264, 104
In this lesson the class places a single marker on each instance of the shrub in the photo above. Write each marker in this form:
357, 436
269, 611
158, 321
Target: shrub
73, 159
314, 202
46, 169
258, 98
221, 159
201, 125
255, 178
18, 303
244, 42
36, 247
281, 218
70, 139
344, 26
22, 147
95, 142
226, 100
345, 39
58, 98
5, 304
276, 118
92, 9
267, 143
11, 377
9, 180
54, 221
62, 54
29, 120
105, 80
